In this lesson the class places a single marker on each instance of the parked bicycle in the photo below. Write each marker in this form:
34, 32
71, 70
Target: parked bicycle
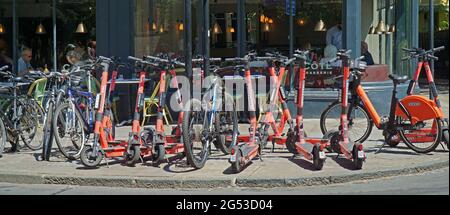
415, 120
19, 114
212, 120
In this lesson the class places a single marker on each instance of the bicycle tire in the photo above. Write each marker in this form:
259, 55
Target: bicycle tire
56, 122
425, 150
222, 143
48, 134
338, 106
2, 137
189, 136
36, 114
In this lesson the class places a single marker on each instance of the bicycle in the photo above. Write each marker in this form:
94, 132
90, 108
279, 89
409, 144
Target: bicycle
74, 114
212, 120
19, 113
407, 121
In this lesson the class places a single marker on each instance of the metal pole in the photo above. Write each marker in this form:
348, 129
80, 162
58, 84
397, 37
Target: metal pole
241, 29
206, 35
188, 36
432, 32
15, 28
291, 42
55, 63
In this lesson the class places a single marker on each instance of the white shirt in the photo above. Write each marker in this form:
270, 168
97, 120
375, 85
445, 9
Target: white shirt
334, 37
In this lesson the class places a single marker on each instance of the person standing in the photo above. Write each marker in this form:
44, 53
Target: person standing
334, 36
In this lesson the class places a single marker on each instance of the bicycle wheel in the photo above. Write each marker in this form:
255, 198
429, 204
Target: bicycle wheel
69, 131
359, 123
47, 138
226, 126
29, 125
2, 137
36, 116
424, 137
193, 127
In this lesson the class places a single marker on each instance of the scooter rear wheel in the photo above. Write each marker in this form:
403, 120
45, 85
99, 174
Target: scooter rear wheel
317, 161
88, 159
159, 153
236, 166
133, 155
358, 162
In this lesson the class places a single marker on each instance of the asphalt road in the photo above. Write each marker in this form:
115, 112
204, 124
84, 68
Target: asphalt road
430, 183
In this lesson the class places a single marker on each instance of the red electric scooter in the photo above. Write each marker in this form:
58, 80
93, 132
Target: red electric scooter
297, 142
339, 140
249, 147
156, 139
424, 58
104, 144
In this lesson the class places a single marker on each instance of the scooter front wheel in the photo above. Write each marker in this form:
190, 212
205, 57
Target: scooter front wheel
290, 142
317, 160
88, 159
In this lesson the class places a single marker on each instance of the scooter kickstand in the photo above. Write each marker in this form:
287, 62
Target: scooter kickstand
381, 148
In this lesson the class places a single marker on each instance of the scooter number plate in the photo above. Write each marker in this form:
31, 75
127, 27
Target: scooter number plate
322, 155
233, 158
361, 154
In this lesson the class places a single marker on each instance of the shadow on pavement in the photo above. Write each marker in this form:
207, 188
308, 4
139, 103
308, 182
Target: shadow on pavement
308, 165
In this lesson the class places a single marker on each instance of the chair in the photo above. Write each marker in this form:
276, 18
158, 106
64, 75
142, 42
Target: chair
37, 90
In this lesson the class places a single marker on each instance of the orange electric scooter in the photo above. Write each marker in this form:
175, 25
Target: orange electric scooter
156, 139
277, 70
297, 142
249, 147
104, 144
339, 140
425, 57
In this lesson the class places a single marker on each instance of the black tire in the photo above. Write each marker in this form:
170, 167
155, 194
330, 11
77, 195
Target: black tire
192, 134
2, 137
29, 124
48, 134
133, 155
90, 161
291, 140
424, 150
159, 153
445, 136
335, 138
334, 112
222, 125
73, 150
236, 166
358, 162
317, 161
389, 138
35, 119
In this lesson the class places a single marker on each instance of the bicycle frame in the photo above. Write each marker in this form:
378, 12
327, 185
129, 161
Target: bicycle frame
415, 108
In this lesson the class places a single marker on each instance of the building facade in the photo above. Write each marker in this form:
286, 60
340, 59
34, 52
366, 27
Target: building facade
218, 28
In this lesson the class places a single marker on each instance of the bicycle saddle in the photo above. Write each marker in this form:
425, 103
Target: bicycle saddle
398, 79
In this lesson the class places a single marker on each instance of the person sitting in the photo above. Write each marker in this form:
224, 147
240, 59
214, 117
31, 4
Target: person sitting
24, 62
367, 55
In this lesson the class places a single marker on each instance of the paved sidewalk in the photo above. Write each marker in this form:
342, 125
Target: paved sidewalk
277, 169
